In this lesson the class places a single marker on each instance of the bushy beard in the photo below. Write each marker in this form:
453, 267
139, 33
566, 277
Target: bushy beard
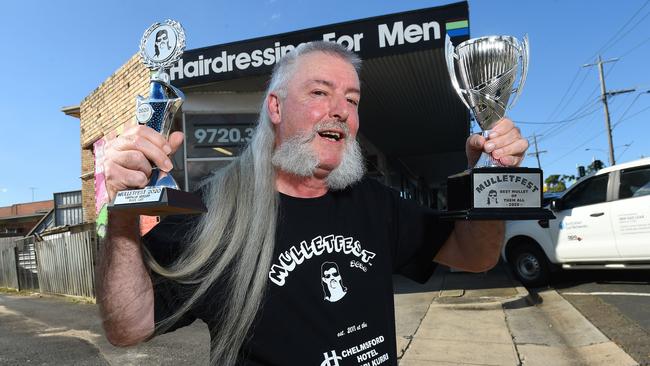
296, 156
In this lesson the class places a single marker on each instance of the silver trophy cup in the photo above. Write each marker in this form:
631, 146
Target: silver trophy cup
483, 72
488, 74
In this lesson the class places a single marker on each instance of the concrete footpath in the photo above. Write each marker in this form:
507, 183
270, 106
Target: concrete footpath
490, 319
455, 319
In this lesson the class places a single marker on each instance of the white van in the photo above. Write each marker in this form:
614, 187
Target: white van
602, 222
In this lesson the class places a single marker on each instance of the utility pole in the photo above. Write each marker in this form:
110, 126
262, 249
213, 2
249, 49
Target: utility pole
537, 152
603, 97
33, 189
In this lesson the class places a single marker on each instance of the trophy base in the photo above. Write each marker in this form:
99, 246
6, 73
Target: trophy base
498, 214
496, 193
157, 201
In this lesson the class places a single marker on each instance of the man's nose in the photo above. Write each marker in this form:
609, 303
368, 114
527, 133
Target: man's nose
339, 108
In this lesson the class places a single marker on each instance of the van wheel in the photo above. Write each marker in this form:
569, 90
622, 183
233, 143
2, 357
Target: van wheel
530, 265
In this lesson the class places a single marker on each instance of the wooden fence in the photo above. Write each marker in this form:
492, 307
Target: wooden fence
66, 264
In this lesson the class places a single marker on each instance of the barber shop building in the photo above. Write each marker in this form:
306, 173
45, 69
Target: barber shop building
413, 126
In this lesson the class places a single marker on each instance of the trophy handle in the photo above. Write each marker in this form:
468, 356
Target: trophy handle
525, 56
450, 54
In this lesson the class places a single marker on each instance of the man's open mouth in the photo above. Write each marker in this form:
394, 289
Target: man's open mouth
331, 135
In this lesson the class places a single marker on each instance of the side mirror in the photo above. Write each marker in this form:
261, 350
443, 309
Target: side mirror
556, 204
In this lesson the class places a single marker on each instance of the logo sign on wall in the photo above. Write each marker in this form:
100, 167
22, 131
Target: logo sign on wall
386, 35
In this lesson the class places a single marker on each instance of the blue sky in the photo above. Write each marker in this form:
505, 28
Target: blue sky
56, 53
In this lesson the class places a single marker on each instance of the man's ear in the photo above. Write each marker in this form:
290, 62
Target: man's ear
273, 105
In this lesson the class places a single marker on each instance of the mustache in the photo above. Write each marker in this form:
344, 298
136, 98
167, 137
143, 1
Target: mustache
322, 126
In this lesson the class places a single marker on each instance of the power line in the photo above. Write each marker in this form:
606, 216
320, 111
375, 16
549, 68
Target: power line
593, 137
627, 146
589, 102
630, 106
553, 122
581, 145
563, 125
555, 130
567, 101
564, 102
577, 147
563, 98
630, 30
644, 109
612, 40
635, 47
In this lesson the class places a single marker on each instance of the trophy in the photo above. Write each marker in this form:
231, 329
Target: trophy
162, 45
483, 72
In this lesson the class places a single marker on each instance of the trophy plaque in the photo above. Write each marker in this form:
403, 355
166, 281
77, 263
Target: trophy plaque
483, 72
162, 45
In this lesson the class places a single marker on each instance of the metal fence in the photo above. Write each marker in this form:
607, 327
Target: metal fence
9, 240
66, 264
26, 265
61, 263
8, 277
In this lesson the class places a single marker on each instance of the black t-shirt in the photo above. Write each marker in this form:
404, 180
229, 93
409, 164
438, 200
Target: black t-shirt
329, 298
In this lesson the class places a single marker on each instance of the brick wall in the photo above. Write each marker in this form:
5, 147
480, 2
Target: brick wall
20, 209
104, 113
19, 218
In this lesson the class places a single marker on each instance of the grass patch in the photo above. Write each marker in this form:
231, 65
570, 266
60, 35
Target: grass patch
13, 291
80, 300
68, 298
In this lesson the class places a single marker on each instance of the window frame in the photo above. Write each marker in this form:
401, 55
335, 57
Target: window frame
618, 181
580, 186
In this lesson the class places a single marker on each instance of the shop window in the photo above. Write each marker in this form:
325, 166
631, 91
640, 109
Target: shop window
218, 135
199, 170
213, 140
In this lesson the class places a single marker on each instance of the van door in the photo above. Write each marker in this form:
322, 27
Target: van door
583, 228
631, 213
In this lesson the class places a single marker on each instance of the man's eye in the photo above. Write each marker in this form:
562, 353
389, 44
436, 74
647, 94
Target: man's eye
353, 101
318, 92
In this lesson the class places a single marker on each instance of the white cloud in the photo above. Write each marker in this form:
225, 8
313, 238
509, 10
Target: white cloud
4, 190
275, 16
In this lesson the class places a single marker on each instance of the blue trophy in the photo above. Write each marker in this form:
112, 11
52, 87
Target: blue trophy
161, 47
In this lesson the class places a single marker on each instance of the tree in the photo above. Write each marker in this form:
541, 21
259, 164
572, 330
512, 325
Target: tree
555, 183
595, 166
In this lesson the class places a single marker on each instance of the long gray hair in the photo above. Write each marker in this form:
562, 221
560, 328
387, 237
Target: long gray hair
234, 241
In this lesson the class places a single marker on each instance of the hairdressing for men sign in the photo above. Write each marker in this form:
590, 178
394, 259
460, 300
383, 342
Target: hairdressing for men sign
373, 37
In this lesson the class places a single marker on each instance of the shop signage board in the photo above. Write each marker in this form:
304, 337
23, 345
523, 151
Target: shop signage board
380, 36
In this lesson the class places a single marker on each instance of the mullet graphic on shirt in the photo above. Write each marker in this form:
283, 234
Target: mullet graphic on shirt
332, 282
296, 255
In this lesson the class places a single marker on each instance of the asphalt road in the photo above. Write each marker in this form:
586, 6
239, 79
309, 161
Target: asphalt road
53, 331
617, 302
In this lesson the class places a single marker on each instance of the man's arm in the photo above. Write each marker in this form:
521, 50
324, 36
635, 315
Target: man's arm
125, 291
475, 246
472, 246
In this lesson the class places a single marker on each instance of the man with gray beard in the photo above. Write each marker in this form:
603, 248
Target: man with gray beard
292, 212
295, 156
